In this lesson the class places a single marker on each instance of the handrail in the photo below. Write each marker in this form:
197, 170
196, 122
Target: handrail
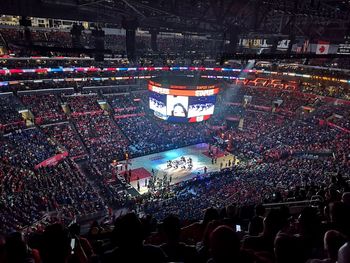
289, 203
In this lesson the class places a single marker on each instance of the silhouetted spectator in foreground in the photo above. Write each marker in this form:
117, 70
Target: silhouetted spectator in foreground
340, 217
175, 250
333, 240
17, 250
194, 232
287, 249
273, 223
2, 247
344, 253
55, 244
305, 243
256, 224
225, 247
128, 236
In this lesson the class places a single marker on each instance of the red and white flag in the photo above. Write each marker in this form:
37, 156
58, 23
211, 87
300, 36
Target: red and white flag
322, 47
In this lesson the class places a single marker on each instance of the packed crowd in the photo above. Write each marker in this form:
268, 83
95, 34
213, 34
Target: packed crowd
45, 107
26, 148
65, 135
218, 234
26, 195
147, 135
104, 140
82, 103
109, 187
9, 117
127, 103
326, 89
291, 157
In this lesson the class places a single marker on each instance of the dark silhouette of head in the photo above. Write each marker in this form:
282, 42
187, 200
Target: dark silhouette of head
171, 228
16, 248
224, 244
309, 221
333, 240
231, 211
260, 210
128, 231
273, 222
210, 215
344, 253
340, 216
287, 249
56, 244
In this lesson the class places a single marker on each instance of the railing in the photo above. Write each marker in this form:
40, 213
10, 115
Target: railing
314, 201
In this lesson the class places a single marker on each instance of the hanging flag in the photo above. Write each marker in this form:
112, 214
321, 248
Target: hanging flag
306, 45
322, 48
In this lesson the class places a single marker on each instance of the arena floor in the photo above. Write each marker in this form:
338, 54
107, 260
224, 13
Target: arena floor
158, 162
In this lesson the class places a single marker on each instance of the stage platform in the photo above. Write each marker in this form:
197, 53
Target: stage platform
142, 166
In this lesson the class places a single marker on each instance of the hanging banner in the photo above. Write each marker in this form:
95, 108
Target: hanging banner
52, 161
345, 47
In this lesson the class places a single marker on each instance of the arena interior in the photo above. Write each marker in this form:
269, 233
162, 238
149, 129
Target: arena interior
174, 131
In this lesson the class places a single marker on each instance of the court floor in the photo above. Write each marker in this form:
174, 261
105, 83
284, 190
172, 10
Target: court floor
158, 162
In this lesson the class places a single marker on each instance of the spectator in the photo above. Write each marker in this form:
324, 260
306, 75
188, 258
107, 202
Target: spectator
256, 224
333, 240
129, 235
175, 250
17, 250
344, 253
55, 245
264, 242
225, 246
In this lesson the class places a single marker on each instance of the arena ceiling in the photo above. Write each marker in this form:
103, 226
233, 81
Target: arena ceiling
311, 18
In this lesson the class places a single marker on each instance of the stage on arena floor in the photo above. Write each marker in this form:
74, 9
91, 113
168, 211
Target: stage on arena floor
186, 163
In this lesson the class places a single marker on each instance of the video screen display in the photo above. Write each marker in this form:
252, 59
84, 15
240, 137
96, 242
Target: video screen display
157, 102
177, 106
200, 106
182, 108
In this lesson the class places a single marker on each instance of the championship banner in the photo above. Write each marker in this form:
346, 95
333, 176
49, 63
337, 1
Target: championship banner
129, 115
259, 107
52, 161
97, 112
124, 109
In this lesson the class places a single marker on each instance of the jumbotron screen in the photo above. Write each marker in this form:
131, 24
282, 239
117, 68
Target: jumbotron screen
182, 99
